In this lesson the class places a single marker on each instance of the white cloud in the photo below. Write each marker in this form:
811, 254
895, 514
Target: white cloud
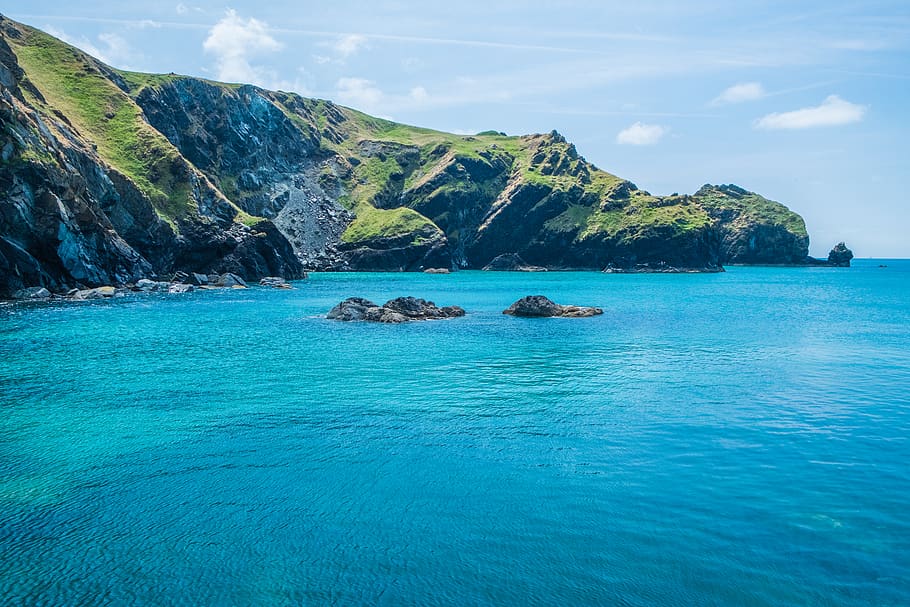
641, 134
112, 49
833, 111
349, 44
738, 93
182, 9
419, 94
359, 93
234, 41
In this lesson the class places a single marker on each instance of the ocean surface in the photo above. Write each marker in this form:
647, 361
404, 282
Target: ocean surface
716, 439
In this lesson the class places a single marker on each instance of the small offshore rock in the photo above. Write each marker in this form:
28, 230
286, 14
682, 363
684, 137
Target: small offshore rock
32, 293
276, 282
394, 311
538, 306
437, 271
511, 262
840, 256
179, 287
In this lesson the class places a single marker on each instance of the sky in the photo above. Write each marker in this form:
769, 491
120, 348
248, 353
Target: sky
804, 102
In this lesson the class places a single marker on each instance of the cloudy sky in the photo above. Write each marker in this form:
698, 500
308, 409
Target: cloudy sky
807, 103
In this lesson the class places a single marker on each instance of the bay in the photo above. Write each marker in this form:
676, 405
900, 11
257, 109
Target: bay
712, 439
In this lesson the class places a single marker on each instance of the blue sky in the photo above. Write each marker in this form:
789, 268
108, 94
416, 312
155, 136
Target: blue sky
807, 103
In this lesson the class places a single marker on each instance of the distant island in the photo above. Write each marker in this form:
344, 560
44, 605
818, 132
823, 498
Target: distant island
109, 177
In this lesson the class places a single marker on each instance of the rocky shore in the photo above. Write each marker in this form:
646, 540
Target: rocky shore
181, 282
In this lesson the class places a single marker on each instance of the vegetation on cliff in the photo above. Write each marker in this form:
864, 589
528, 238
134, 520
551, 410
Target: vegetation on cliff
189, 174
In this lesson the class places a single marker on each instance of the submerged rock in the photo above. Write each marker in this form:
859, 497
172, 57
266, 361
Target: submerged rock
399, 310
511, 262
537, 306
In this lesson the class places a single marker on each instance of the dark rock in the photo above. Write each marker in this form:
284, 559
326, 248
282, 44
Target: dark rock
511, 262
840, 256
352, 308
230, 280
198, 280
399, 310
535, 306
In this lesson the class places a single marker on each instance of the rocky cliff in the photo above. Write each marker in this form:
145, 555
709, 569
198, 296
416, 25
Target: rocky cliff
109, 176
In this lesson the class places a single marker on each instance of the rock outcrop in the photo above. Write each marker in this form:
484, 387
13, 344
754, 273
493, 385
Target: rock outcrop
840, 256
110, 176
538, 306
394, 311
511, 262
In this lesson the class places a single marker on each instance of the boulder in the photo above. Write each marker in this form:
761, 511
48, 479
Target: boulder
179, 287
840, 256
437, 271
276, 282
97, 293
421, 309
538, 306
197, 279
352, 308
144, 284
399, 310
32, 293
230, 280
511, 262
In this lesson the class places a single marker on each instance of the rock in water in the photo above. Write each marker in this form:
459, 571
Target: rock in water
511, 262
399, 310
538, 306
352, 308
230, 280
840, 256
276, 282
32, 293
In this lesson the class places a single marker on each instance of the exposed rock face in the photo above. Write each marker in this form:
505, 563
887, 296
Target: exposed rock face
840, 256
394, 311
182, 174
511, 262
535, 306
72, 215
753, 229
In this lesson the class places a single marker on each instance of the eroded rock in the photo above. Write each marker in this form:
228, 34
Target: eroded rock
538, 306
398, 310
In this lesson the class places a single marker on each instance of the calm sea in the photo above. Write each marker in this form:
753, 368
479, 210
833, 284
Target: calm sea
727, 439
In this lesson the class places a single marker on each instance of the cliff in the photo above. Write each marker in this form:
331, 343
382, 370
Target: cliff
109, 176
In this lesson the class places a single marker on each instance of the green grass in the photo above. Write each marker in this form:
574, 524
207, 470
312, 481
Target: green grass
643, 215
754, 208
107, 118
372, 223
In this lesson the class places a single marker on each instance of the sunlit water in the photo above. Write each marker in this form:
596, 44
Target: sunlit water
726, 439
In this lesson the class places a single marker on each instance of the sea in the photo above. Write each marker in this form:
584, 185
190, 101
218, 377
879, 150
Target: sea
712, 439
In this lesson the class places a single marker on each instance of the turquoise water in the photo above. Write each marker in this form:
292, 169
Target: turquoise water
723, 439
